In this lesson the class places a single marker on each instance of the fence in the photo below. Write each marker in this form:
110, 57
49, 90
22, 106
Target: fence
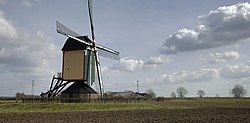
82, 100
118, 100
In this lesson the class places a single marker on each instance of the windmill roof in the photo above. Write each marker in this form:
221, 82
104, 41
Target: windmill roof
72, 44
79, 88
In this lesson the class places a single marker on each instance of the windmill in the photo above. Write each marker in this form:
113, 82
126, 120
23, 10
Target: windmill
80, 58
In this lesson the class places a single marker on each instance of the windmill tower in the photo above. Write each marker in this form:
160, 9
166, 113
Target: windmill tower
80, 61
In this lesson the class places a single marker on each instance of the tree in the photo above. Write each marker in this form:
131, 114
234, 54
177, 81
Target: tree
108, 94
239, 91
181, 91
20, 95
173, 95
217, 95
201, 93
150, 94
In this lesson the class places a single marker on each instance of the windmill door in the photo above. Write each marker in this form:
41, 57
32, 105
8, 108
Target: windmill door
73, 65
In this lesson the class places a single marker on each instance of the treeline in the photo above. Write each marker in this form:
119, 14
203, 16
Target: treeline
237, 91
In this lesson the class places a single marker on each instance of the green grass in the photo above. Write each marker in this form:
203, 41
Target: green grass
76, 107
185, 103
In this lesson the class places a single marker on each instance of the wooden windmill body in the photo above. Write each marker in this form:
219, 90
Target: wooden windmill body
78, 61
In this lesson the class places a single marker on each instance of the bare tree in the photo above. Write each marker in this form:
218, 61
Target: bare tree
150, 94
20, 95
181, 91
239, 91
201, 93
173, 95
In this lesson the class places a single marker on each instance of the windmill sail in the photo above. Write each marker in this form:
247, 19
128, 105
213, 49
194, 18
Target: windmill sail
98, 68
103, 51
91, 20
107, 52
90, 67
60, 28
87, 66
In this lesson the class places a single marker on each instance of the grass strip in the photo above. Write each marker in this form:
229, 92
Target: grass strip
78, 107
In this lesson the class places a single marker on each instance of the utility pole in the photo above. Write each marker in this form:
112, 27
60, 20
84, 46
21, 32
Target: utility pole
32, 90
138, 86
137, 95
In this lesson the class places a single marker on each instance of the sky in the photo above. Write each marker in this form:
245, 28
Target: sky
163, 44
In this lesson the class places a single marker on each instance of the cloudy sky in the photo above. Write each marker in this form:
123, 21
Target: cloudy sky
163, 44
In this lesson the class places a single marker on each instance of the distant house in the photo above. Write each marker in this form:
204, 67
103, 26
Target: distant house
125, 95
77, 92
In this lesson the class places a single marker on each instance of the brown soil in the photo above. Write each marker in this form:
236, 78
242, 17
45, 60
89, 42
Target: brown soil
209, 114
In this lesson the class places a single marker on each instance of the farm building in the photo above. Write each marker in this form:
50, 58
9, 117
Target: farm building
77, 92
125, 95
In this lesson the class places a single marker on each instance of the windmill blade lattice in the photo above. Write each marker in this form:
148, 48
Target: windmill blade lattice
60, 28
107, 54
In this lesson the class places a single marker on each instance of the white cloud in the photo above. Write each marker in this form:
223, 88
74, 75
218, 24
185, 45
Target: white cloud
7, 29
24, 55
235, 71
215, 58
107, 72
203, 74
27, 54
207, 74
130, 64
157, 60
225, 26
28, 3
